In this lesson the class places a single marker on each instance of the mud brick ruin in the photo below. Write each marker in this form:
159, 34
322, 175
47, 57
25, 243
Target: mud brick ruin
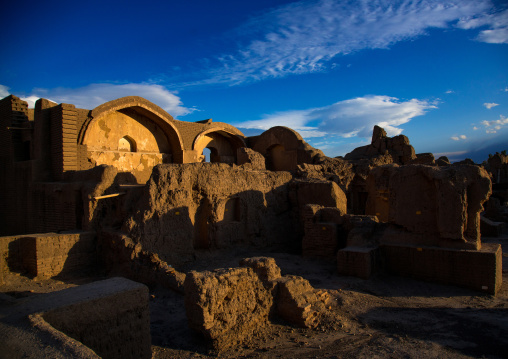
126, 188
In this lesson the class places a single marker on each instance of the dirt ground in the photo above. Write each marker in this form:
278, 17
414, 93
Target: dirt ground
384, 317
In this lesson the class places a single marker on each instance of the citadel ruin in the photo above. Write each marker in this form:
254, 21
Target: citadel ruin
125, 189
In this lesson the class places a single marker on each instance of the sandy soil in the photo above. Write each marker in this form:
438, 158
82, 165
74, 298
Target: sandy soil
384, 317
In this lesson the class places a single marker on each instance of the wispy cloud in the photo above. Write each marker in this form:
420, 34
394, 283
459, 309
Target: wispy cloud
490, 105
304, 36
497, 23
349, 118
94, 95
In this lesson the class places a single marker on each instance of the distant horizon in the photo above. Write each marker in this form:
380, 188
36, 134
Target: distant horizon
435, 71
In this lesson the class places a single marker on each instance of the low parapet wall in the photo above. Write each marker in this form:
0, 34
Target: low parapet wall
48, 254
109, 317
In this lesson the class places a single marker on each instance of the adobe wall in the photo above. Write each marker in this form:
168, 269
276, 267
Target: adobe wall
479, 270
11, 254
203, 206
433, 206
110, 317
52, 254
128, 141
284, 149
15, 164
185, 208
49, 254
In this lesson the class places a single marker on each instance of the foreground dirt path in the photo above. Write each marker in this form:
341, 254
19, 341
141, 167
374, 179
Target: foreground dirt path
385, 317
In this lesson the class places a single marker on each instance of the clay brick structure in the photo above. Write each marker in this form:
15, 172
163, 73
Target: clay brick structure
284, 149
125, 185
47, 154
105, 319
226, 305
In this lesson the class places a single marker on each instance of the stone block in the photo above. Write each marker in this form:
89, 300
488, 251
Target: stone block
361, 262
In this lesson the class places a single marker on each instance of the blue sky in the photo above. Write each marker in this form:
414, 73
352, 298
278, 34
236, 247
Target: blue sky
435, 71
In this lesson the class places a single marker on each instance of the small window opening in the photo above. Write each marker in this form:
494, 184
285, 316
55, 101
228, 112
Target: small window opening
127, 144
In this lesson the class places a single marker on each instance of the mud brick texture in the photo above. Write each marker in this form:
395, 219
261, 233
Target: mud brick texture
479, 270
110, 317
52, 254
360, 262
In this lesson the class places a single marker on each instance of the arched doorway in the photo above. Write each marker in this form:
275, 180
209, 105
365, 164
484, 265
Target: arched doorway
277, 159
219, 145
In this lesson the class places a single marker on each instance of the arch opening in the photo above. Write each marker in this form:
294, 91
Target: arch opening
222, 146
276, 159
232, 210
127, 144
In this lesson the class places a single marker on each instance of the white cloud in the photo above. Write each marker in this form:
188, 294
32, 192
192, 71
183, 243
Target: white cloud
490, 105
494, 126
449, 92
304, 36
349, 118
475, 128
458, 138
93, 95
4, 91
497, 23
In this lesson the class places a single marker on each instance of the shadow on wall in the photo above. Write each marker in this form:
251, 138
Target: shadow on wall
244, 218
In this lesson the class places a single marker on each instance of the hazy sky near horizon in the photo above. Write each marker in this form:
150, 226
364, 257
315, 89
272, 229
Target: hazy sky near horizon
435, 71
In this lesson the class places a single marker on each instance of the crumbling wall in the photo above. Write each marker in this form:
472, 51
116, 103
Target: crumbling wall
250, 159
226, 305
284, 149
397, 147
121, 256
434, 206
198, 206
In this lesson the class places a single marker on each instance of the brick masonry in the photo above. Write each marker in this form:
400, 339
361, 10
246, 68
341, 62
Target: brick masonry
360, 262
52, 254
479, 270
